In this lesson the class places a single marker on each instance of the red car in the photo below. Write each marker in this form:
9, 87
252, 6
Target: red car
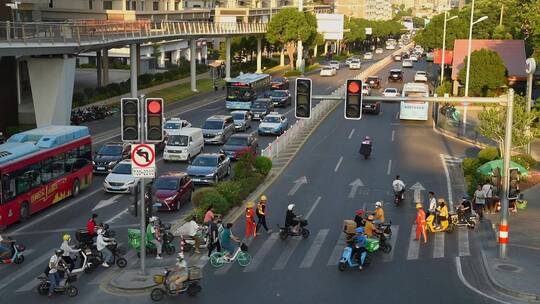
172, 190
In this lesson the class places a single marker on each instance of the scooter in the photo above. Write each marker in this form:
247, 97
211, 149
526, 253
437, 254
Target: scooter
469, 221
16, 253
134, 236
284, 232
399, 197
187, 244
445, 226
191, 286
218, 259
365, 149
65, 286
348, 260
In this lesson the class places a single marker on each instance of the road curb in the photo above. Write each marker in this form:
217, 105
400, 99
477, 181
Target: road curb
451, 135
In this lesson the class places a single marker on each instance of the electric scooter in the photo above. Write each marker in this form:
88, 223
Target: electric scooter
445, 226
349, 261
191, 286
65, 286
16, 250
285, 232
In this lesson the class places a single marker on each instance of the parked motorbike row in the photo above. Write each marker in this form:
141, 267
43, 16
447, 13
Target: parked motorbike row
92, 113
450, 112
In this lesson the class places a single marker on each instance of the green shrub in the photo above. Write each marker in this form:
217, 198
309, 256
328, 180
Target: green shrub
470, 165
231, 191
263, 165
89, 92
291, 73
248, 185
488, 154
78, 98
145, 79
87, 66
113, 89
215, 199
525, 160
312, 67
199, 194
158, 77
245, 167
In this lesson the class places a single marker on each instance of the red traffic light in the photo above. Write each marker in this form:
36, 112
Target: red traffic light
154, 106
353, 87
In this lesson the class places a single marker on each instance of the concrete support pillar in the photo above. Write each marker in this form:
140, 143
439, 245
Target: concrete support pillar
193, 65
259, 55
161, 59
227, 58
205, 53
133, 68
325, 47
138, 58
176, 57
98, 68
105, 65
51, 81
282, 57
199, 56
9, 116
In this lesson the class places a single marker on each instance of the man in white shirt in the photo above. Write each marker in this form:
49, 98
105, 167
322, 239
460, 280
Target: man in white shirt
398, 186
432, 203
193, 231
55, 262
488, 191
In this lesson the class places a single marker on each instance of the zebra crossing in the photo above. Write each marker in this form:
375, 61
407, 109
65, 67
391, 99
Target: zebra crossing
275, 255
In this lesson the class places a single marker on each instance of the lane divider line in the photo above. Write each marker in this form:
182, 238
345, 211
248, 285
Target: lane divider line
338, 164
389, 167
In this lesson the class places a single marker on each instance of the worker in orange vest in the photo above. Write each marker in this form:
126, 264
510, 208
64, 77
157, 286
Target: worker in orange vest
250, 221
421, 227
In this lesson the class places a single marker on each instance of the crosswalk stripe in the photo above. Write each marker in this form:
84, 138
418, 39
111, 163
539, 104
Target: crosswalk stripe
286, 253
261, 253
314, 249
336, 253
388, 257
224, 269
414, 246
438, 246
29, 286
463, 242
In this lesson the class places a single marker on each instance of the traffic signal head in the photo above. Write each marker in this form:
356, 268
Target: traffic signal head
302, 102
154, 119
353, 99
129, 109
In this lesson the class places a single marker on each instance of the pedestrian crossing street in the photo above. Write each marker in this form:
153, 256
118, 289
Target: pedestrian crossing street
271, 253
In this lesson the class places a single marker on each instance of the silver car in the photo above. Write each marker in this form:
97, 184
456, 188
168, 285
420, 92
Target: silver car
242, 120
217, 129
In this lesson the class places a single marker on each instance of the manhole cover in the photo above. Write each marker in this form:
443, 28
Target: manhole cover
506, 267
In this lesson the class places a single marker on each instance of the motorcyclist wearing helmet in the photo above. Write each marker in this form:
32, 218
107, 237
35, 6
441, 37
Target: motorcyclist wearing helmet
442, 212
464, 209
370, 229
68, 250
365, 147
358, 243
291, 219
378, 214
101, 243
179, 273
359, 218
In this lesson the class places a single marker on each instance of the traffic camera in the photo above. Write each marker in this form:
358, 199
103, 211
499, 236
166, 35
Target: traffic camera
302, 103
129, 109
353, 99
154, 119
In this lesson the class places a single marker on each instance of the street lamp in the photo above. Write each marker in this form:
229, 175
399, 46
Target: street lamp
444, 44
469, 63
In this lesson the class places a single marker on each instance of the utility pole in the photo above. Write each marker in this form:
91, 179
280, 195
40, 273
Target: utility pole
300, 49
503, 228
531, 69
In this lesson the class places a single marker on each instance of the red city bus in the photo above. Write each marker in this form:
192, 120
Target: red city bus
41, 167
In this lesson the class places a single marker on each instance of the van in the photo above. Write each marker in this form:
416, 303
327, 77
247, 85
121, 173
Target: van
183, 144
218, 128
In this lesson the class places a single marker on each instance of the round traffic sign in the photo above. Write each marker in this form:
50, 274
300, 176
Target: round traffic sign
146, 153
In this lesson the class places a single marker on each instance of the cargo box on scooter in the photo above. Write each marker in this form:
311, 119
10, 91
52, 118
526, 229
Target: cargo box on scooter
349, 226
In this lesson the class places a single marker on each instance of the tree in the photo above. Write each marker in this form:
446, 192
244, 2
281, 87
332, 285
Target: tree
492, 124
418, 22
487, 74
287, 27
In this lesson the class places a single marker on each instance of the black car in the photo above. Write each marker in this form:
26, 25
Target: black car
281, 98
108, 156
261, 107
373, 107
373, 82
395, 75
280, 83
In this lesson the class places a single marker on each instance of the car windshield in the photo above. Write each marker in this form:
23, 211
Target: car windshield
237, 141
240, 94
390, 90
271, 119
110, 150
373, 78
279, 94
258, 105
205, 161
166, 183
334, 62
355, 61
178, 140
327, 68
421, 73
238, 116
122, 168
213, 125
278, 80
173, 125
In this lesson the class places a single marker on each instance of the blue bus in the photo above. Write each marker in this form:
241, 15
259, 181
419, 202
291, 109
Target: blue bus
244, 89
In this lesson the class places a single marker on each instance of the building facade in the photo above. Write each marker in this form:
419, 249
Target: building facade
367, 9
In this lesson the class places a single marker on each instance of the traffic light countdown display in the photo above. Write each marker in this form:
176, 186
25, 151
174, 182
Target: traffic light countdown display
302, 103
353, 99
129, 109
154, 119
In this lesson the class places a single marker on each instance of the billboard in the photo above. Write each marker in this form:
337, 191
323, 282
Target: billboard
330, 26
448, 56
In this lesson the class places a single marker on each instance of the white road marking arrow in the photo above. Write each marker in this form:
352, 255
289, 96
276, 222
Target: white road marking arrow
107, 202
297, 184
354, 187
418, 188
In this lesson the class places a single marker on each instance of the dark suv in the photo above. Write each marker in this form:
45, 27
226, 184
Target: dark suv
373, 82
261, 107
395, 75
108, 156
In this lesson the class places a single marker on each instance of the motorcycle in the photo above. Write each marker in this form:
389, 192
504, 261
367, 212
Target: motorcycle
284, 232
365, 149
16, 253
187, 244
399, 197
348, 260
65, 286
445, 225
469, 221
218, 259
191, 286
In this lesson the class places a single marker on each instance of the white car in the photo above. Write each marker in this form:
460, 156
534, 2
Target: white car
174, 124
379, 51
368, 55
334, 64
390, 92
366, 90
328, 71
414, 57
273, 124
120, 179
355, 64
407, 63
420, 76
391, 47
348, 60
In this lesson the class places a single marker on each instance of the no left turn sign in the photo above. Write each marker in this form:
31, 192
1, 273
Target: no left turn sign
143, 160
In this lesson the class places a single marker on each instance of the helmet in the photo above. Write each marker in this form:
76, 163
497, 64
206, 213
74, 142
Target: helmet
100, 231
359, 212
263, 198
67, 237
59, 251
367, 138
153, 219
359, 230
378, 205
370, 217
418, 206
290, 207
249, 205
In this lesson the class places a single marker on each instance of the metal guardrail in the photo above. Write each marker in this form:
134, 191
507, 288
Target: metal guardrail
103, 31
